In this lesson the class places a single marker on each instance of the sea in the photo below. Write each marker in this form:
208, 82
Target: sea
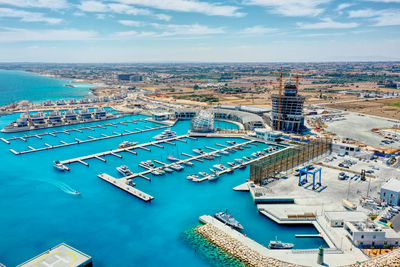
40, 210
19, 85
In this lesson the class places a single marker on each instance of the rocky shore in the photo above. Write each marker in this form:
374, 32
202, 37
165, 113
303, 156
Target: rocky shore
389, 259
248, 256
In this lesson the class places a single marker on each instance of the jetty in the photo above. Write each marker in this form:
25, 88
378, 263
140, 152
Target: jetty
123, 184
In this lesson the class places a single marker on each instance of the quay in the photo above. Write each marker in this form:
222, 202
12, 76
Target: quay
60, 255
63, 144
122, 183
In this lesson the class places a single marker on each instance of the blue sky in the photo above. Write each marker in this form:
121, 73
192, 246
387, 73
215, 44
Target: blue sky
199, 30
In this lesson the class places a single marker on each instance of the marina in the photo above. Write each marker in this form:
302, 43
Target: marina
78, 141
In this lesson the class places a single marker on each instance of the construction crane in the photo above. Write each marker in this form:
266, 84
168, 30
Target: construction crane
278, 125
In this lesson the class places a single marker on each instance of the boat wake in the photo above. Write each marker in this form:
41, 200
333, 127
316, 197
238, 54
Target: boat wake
66, 188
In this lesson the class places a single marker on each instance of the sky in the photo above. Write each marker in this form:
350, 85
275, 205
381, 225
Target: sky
199, 30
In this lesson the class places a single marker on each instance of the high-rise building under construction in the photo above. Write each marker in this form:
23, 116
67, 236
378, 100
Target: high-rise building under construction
287, 109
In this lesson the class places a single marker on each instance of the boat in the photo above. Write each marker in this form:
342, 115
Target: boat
126, 144
231, 164
157, 172
76, 193
242, 166
246, 158
167, 169
198, 151
204, 174
188, 163
213, 170
148, 164
239, 160
224, 152
231, 149
191, 177
176, 167
280, 245
124, 170
246, 146
231, 142
209, 157
220, 166
213, 177
59, 166
216, 155
171, 158
167, 134
228, 219
239, 147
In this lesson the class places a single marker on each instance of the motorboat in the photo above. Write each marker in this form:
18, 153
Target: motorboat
228, 219
231, 164
59, 166
204, 174
172, 158
191, 177
176, 167
209, 157
157, 172
126, 144
167, 134
220, 167
167, 169
246, 158
148, 164
188, 163
280, 245
213, 177
224, 152
124, 170
239, 160
231, 142
198, 151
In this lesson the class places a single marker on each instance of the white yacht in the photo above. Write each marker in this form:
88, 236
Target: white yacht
167, 134
59, 166
124, 170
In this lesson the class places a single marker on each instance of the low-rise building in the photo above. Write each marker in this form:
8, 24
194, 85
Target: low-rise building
338, 218
346, 149
366, 234
390, 192
268, 135
161, 116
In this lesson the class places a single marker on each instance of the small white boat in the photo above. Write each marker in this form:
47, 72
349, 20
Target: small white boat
220, 167
124, 170
61, 167
191, 177
246, 158
198, 151
204, 174
188, 163
176, 167
213, 177
231, 164
239, 160
280, 245
126, 144
231, 142
167, 169
209, 157
171, 158
224, 152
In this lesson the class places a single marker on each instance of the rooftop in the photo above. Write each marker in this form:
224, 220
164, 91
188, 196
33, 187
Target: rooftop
348, 216
392, 185
59, 256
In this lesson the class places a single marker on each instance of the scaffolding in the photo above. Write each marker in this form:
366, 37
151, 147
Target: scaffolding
286, 159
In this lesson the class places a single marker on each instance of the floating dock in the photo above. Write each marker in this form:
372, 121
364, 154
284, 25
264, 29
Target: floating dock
91, 139
115, 151
60, 255
122, 183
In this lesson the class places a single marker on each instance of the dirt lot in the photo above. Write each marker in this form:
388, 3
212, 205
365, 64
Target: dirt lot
373, 107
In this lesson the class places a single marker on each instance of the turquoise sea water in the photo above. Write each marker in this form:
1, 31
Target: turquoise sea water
38, 210
18, 85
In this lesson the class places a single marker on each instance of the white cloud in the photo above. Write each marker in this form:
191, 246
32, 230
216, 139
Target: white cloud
192, 29
327, 23
23, 35
385, 1
131, 23
100, 7
27, 16
93, 6
257, 30
131, 34
292, 8
52, 4
385, 17
163, 17
343, 6
211, 9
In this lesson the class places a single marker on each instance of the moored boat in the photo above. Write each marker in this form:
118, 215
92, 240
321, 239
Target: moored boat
59, 166
228, 219
280, 245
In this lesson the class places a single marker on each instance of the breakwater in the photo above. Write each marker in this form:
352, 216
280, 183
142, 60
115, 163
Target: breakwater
239, 250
